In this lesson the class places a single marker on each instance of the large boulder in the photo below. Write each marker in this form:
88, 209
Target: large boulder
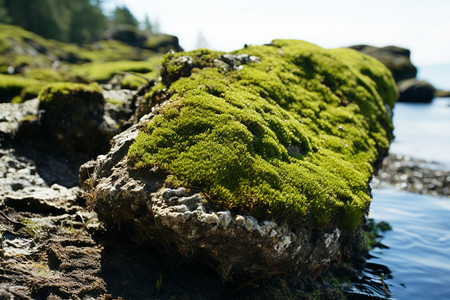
413, 90
255, 162
396, 59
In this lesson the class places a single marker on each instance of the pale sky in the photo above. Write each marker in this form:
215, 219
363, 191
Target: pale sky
423, 26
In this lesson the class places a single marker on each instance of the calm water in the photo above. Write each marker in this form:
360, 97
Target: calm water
423, 130
418, 247
415, 258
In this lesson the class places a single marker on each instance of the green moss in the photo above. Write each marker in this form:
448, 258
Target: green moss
106, 70
61, 94
291, 138
134, 82
11, 86
112, 50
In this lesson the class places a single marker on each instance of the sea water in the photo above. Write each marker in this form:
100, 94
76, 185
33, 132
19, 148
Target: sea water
423, 130
413, 260
416, 252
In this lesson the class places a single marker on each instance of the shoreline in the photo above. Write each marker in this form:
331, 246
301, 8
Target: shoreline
413, 175
47, 242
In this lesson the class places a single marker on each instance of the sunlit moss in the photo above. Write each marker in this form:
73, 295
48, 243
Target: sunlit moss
106, 70
292, 137
60, 94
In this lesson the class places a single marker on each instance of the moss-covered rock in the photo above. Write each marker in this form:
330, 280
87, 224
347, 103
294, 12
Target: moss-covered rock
255, 162
72, 118
291, 133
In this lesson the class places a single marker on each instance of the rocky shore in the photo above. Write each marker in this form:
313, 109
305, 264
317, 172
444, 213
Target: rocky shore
124, 226
413, 175
52, 247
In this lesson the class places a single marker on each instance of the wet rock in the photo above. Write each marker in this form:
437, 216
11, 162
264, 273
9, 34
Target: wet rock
417, 91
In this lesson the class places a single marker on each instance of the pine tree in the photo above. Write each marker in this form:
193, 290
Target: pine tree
4, 13
122, 15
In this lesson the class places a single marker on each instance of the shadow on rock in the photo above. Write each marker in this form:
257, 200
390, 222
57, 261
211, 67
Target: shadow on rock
141, 272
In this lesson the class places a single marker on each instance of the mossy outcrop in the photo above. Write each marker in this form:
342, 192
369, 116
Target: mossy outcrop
291, 136
256, 162
71, 117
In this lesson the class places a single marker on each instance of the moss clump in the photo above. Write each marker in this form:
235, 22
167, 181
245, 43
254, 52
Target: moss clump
292, 137
63, 93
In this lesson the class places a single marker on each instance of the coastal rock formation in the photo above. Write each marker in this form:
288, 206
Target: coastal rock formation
413, 90
398, 61
255, 163
132, 36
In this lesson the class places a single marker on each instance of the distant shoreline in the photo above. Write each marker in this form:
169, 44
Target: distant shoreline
413, 175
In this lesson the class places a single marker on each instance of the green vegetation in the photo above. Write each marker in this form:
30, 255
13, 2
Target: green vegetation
60, 94
374, 231
17, 86
78, 21
102, 72
122, 15
36, 62
291, 138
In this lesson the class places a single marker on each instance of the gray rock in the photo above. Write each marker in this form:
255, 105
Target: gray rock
12, 115
22, 187
235, 61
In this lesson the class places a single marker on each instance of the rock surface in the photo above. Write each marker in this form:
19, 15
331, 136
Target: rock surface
132, 36
182, 220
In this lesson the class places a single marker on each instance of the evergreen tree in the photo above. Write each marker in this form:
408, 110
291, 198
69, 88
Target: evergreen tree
77, 21
147, 25
87, 21
122, 15
4, 13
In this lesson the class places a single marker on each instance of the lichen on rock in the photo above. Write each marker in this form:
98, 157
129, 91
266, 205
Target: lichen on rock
257, 161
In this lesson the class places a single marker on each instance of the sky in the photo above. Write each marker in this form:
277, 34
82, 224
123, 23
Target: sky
422, 26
